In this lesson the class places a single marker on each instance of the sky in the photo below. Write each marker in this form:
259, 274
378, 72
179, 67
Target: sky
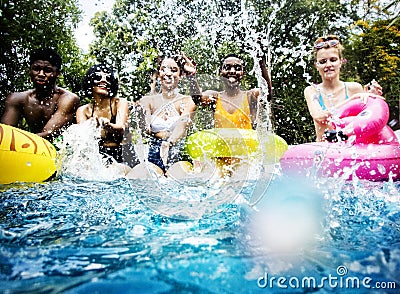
84, 33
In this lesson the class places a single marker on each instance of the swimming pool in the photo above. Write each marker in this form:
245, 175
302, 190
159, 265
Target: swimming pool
76, 236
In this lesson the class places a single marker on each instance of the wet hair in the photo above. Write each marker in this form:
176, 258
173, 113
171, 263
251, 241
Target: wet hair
180, 61
46, 54
90, 77
228, 56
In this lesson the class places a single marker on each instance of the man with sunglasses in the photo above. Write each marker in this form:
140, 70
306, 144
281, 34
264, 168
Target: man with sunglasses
323, 99
47, 109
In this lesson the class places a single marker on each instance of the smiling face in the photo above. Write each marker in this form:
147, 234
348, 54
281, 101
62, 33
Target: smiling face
232, 71
100, 79
169, 73
43, 74
328, 62
101, 83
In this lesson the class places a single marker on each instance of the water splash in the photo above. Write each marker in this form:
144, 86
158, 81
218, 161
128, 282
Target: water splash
79, 156
240, 25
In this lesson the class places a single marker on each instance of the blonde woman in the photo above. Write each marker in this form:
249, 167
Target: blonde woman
323, 98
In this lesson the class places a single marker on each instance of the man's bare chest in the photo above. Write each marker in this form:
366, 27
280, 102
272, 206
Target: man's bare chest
40, 110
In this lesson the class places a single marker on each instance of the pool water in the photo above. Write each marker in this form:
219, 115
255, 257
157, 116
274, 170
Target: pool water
75, 236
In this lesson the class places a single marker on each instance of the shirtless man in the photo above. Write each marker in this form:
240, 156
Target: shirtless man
47, 109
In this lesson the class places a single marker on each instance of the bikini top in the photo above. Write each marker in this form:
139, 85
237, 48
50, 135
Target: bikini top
240, 118
321, 101
165, 118
113, 118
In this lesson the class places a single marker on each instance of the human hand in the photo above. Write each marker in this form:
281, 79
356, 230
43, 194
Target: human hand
323, 117
335, 136
190, 66
260, 50
93, 121
164, 151
374, 88
103, 121
106, 125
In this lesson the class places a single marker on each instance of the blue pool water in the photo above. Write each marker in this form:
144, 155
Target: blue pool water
75, 236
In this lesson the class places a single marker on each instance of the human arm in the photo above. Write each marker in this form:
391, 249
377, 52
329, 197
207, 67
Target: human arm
254, 102
254, 94
189, 72
357, 91
199, 97
145, 110
318, 114
184, 121
82, 114
13, 108
266, 77
364, 120
180, 129
321, 117
121, 120
264, 71
67, 106
114, 132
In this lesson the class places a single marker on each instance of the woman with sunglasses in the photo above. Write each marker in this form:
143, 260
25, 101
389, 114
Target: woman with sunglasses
107, 111
324, 98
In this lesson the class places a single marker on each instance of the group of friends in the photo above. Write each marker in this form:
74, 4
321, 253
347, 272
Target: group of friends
168, 114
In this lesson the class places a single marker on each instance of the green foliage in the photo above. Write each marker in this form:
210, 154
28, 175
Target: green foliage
30, 24
375, 54
293, 29
132, 37
395, 5
136, 32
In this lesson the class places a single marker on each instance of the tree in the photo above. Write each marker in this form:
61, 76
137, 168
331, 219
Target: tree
137, 32
29, 24
375, 54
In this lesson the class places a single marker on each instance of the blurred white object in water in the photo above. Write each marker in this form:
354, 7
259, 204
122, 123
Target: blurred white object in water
289, 216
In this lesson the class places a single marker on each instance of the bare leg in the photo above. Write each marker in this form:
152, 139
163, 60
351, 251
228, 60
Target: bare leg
179, 170
146, 170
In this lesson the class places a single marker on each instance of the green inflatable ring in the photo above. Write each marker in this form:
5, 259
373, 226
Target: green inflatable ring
234, 143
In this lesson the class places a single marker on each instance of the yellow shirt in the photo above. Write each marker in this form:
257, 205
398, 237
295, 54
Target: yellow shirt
240, 118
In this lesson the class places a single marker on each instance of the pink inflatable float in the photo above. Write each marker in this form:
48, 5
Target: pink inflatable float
372, 151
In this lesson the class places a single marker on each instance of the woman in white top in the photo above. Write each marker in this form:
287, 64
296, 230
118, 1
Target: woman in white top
168, 116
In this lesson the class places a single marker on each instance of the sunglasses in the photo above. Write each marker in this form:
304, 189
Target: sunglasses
101, 76
328, 41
